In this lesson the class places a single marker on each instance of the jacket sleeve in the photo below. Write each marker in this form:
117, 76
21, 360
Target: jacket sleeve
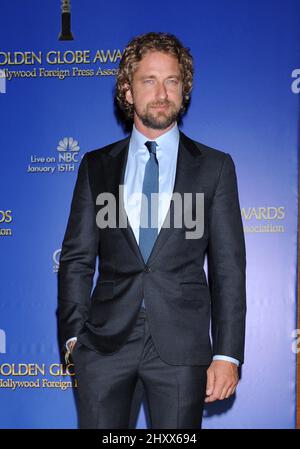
227, 266
77, 259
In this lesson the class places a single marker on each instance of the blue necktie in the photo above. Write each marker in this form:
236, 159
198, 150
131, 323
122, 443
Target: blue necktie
148, 234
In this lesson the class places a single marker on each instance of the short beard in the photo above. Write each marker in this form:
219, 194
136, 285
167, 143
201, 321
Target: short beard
161, 121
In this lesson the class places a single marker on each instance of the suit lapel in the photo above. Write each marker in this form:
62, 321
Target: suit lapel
186, 167
114, 177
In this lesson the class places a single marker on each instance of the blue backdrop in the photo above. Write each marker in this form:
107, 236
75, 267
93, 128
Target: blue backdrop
58, 105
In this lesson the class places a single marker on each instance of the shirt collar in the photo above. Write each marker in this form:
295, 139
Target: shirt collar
169, 140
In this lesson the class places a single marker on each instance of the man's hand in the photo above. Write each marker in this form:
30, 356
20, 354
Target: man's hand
222, 379
70, 345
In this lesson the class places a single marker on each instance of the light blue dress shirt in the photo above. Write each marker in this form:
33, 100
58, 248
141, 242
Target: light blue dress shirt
138, 155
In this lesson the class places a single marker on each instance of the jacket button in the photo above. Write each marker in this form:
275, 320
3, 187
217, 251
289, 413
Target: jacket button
147, 269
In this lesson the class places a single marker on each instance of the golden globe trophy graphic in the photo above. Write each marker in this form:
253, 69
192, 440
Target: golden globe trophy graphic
66, 34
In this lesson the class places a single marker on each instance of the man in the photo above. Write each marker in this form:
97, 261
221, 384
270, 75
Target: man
149, 316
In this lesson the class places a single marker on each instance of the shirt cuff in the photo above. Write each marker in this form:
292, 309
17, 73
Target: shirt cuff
228, 359
70, 339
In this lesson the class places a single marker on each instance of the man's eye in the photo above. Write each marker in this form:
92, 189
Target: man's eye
148, 81
172, 81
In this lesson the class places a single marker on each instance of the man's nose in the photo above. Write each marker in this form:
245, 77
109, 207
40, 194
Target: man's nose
161, 91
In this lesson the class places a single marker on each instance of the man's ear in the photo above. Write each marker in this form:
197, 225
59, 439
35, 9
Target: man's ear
128, 95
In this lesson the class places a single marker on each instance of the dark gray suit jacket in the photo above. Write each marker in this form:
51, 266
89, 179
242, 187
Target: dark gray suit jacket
180, 303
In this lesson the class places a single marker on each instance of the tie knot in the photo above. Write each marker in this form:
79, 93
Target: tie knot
151, 145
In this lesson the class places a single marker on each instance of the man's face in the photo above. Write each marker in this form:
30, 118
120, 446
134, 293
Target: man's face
156, 91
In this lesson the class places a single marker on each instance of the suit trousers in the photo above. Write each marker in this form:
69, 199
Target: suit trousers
106, 383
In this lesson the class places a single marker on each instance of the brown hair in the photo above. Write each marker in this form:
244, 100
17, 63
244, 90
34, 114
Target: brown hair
136, 50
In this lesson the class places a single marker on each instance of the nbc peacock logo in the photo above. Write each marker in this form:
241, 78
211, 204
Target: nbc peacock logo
68, 150
68, 143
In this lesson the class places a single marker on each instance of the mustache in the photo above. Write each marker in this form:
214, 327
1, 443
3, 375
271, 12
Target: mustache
165, 103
